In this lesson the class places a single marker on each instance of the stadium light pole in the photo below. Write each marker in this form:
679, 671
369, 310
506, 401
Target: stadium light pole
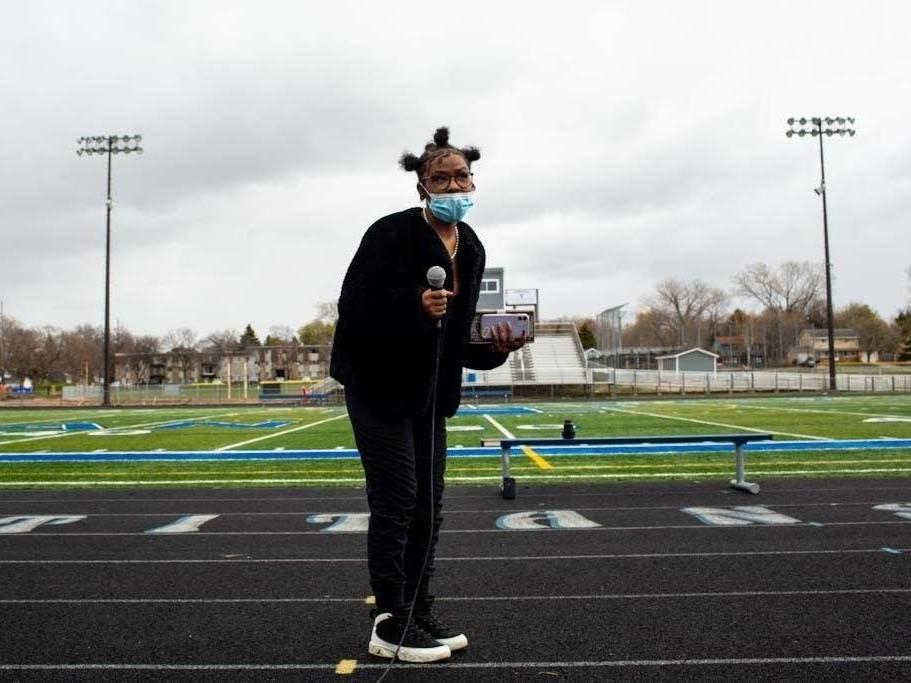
813, 127
110, 145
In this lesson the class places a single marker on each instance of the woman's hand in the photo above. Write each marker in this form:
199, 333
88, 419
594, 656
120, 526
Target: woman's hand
503, 339
434, 302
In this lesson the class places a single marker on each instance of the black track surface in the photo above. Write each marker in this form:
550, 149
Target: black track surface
261, 593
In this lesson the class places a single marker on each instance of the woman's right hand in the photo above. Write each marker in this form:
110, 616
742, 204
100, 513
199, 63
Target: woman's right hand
434, 302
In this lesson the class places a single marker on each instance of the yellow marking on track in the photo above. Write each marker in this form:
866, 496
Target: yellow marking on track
346, 667
536, 459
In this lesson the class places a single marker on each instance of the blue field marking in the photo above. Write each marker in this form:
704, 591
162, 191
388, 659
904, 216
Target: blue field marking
579, 449
264, 424
495, 410
43, 428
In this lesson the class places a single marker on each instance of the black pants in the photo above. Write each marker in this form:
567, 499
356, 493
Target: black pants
404, 504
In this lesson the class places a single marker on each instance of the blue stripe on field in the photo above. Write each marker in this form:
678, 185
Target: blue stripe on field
456, 452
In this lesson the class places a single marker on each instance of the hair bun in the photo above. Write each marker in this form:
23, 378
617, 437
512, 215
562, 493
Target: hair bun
441, 137
409, 162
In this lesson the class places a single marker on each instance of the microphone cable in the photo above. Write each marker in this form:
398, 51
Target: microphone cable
433, 423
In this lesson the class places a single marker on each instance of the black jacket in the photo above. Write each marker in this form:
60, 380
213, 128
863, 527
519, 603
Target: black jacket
384, 347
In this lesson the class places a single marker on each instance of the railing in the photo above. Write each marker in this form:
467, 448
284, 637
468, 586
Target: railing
656, 381
163, 394
666, 382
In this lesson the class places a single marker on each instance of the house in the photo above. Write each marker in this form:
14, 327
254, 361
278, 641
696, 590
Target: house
693, 360
814, 344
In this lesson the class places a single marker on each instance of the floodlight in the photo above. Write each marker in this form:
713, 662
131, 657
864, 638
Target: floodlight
109, 144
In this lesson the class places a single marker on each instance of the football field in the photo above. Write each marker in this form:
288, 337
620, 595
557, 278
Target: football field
304, 446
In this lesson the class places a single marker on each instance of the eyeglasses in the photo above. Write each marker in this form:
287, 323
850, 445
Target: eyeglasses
439, 182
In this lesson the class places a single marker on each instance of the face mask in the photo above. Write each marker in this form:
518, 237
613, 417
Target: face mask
450, 208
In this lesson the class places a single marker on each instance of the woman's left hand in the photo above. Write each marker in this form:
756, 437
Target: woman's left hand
503, 339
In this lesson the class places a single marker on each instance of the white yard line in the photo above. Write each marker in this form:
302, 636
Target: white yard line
287, 431
716, 424
817, 410
505, 432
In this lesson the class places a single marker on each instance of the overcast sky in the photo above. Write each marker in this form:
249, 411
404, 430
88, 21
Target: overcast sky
622, 143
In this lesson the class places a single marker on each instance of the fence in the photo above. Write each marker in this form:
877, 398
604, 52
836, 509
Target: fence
171, 393
656, 381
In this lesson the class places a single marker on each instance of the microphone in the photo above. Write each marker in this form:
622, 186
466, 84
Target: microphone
436, 276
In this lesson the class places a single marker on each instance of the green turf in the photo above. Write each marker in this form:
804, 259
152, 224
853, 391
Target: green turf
328, 428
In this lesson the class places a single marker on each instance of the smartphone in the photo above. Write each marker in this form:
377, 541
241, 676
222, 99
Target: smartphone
521, 323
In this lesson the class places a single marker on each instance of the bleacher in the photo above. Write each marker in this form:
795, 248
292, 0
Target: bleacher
554, 357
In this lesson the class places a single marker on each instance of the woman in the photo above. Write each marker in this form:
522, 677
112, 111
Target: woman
393, 333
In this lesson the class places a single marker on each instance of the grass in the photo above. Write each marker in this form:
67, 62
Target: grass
208, 429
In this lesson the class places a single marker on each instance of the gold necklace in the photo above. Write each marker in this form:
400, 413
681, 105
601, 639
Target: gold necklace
455, 249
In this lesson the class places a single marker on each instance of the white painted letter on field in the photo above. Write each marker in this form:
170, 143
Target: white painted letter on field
545, 519
184, 525
22, 525
902, 510
739, 516
341, 522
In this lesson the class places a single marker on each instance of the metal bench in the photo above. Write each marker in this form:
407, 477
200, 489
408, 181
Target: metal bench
508, 484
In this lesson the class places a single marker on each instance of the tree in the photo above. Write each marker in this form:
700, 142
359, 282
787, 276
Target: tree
225, 341
20, 346
327, 311
317, 333
903, 323
183, 344
181, 339
280, 335
586, 336
82, 357
793, 287
874, 334
688, 305
249, 338
650, 328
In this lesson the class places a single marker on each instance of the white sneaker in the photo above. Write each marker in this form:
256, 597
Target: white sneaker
417, 646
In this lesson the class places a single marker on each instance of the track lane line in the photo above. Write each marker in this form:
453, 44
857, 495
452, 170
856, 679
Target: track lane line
468, 598
468, 558
473, 666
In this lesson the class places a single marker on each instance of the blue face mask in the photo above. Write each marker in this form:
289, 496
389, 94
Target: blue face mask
450, 208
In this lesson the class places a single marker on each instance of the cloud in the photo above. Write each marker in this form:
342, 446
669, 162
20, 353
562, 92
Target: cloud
621, 143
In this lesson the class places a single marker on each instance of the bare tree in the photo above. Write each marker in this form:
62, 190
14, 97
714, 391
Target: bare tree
688, 305
327, 311
20, 345
280, 335
793, 287
181, 339
650, 328
224, 341
82, 355
183, 345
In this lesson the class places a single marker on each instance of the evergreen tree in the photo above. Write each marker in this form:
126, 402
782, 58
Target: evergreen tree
903, 320
587, 337
249, 338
